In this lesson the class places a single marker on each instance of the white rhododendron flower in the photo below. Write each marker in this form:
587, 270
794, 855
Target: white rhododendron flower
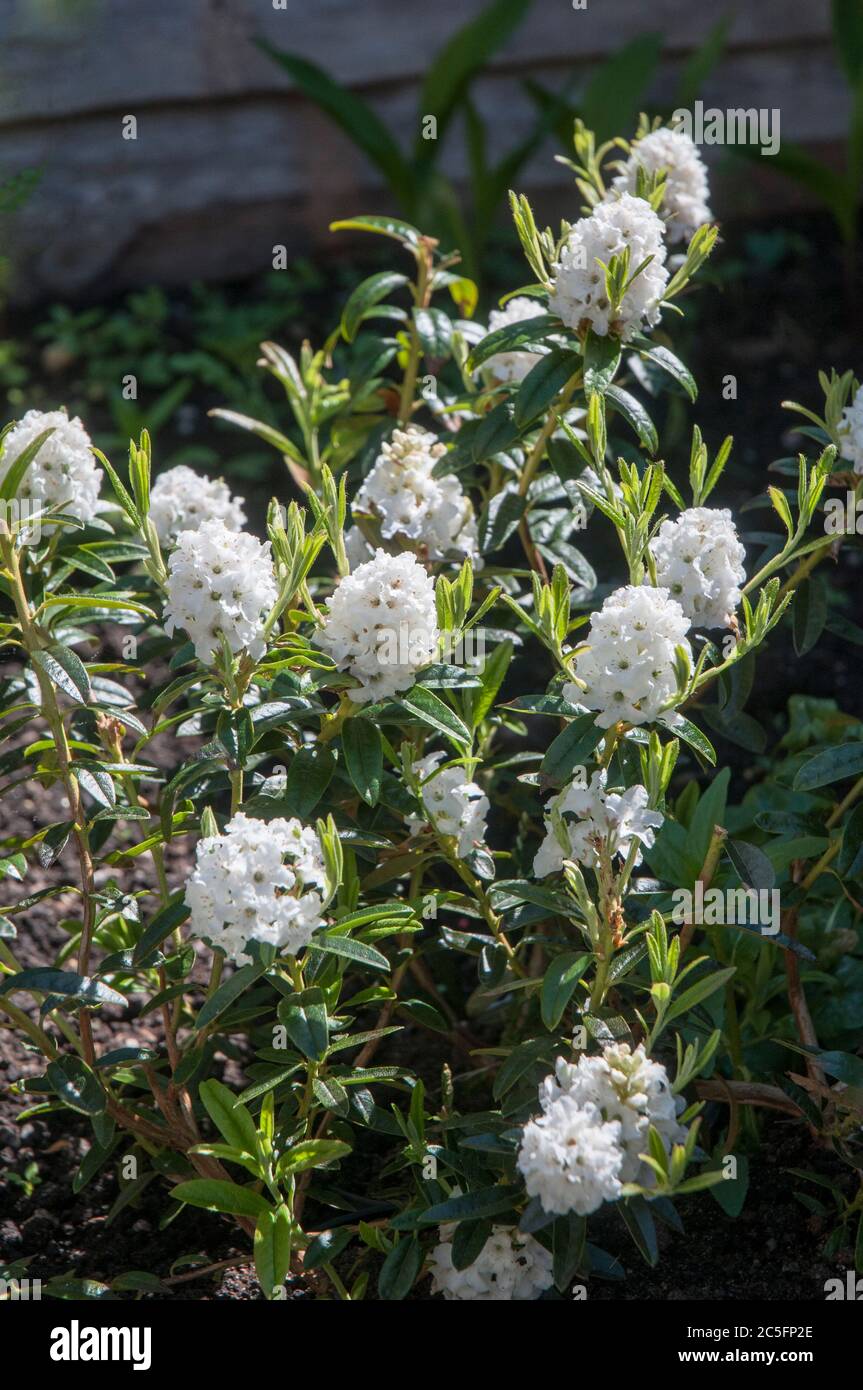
578, 293
685, 203
64, 471
511, 1267
453, 805
410, 504
609, 820
850, 432
257, 882
181, 500
512, 366
699, 560
570, 1158
630, 1090
628, 664
220, 584
382, 625
588, 1140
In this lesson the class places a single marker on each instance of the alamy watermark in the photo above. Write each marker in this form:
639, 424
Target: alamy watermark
22, 516
844, 517
409, 645
734, 126
728, 907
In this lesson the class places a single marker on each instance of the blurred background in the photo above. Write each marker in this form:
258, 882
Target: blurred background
158, 160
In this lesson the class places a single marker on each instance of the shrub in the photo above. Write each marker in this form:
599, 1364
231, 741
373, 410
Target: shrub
400, 785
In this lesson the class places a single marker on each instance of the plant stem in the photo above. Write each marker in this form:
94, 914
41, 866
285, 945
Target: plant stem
50, 709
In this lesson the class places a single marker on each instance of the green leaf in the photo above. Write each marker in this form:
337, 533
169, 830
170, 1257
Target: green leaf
520, 1063
273, 1248
492, 674
312, 1153
709, 813
364, 756
423, 704
731, 1192
76, 1085
326, 1247
830, 765
499, 518
472, 1206
236, 733
349, 949
685, 729
635, 416
809, 613
702, 989
543, 383
850, 860
47, 980
165, 921
306, 1026
568, 1236
96, 783
366, 295
571, 748
495, 433
351, 114
233, 1121
53, 843
400, 1269
66, 671
309, 775
844, 1066
601, 361
662, 358
229, 991
468, 1242
384, 226
751, 863
434, 330
18, 468
640, 1224
559, 984
530, 335
331, 1094
228, 1197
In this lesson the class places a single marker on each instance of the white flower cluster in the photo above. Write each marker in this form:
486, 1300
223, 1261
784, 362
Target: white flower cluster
605, 819
64, 471
684, 203
382, 625
220, 583
587, 1142
242, 890
699, 560
453, 805
578, 293
850, 432
628, 665
511, 1268
182, 500
512, 366
410, 504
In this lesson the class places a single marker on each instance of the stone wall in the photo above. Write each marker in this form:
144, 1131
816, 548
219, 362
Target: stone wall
230, 160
